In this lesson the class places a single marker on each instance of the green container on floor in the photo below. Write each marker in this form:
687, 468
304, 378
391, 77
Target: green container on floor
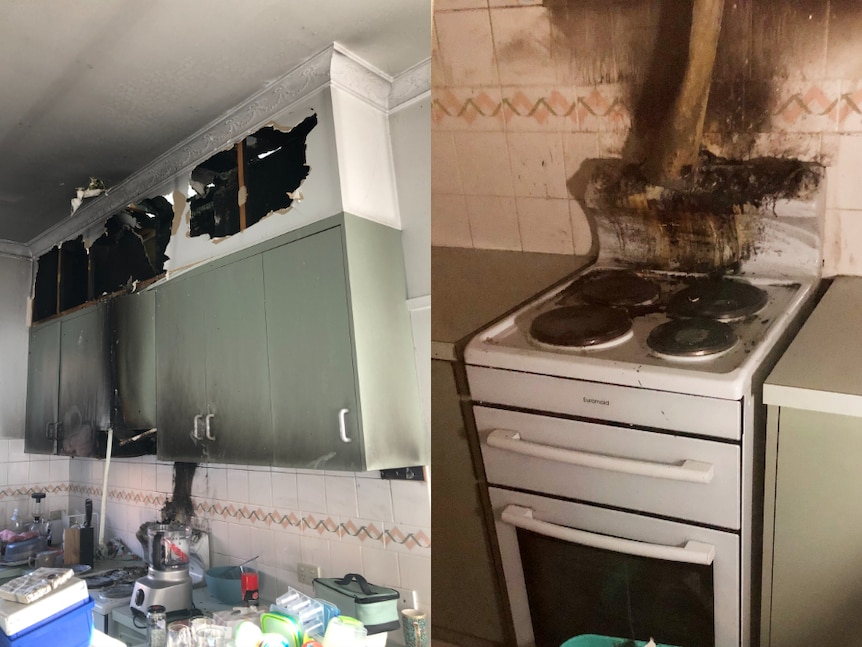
592, 640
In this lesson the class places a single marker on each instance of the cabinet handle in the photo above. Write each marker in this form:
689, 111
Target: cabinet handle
49, 431
195, 434
210, 417
342, 428
690, 470
693, 552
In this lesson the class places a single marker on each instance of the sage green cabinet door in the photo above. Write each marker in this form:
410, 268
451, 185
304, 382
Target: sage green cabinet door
135, 360
85, 381
43, 370
312, 375
237, 368
180, 367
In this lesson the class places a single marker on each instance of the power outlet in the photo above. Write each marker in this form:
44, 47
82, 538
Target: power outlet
407, 599
307, 573
55, 515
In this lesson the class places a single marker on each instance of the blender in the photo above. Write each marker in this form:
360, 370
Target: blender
167, 582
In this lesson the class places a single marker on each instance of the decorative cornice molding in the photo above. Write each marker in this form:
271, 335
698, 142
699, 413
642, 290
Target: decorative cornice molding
333, 65
410, 85
18, 250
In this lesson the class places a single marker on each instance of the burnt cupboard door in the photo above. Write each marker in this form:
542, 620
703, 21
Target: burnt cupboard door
211, 363
312, 374
43, 370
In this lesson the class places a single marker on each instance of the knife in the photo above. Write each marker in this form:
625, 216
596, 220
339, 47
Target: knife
88, 513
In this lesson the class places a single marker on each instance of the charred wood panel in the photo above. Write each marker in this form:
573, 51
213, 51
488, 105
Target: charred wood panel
118, 259
215, 208
73, 274
46, 288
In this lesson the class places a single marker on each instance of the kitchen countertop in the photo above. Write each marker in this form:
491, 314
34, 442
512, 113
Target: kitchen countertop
470, 288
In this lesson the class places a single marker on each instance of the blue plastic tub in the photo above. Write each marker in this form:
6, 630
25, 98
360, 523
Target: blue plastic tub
72, 627
592, 640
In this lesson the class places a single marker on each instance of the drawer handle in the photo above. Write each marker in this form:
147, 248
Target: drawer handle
209, 428
342, 426
690, 471
693, 552
195, 433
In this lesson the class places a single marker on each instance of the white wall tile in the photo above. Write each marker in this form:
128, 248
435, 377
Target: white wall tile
263, 544
445, 177
375, 499
312, 492
443, 5
538, 167
16, 450
345, 558
260, 488
165, 477
216, 483
380, 567
288, 549
522, 42
341, 495
285, 493
415, 572
60, 471
582, 232
316, 551
450, 226
19, 473
483, 158
842, 243
4, 473
844, 191
546, 225
493, 222
237, 485
134, 476
4, 450
466, 48
239, 541
411, 502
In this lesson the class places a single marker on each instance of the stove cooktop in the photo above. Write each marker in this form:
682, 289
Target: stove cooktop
680, 325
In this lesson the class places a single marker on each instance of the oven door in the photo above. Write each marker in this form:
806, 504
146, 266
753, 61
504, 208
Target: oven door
574, 569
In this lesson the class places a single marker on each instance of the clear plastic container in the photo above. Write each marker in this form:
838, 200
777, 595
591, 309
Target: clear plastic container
307, 610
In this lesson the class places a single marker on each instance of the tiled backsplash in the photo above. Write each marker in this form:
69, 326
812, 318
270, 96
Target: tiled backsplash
342, 522
524, 92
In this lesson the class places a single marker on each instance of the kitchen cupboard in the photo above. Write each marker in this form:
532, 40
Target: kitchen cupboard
811, 587
89, 371
296, 352
68, 383
211, 366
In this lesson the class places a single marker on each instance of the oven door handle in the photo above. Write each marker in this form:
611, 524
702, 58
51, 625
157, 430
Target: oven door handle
693, 552
690, 470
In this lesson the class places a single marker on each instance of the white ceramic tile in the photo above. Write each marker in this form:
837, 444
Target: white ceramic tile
4, 474
373, 474
288, 550
4, 450
217, 484
237, 485
19, 473
16, 450
546, 225
199, 484
443, 5
411, 502
285, 495
39, 472
450, 226
164, 477
263, 544
316, 551
239, 541
582, 233
842, 242
577, 148
375, 499
60, 471
844, 190
522, 42
483, 158
219, 536
79, 471
341, 495
415, 572
444, 164
312, 493
537, 162
438, 73
402, 538
268, 583
493, 222
345, 558
380, 567
260, 488
471, 109
362, 531
148, 477
135, 477
466, 48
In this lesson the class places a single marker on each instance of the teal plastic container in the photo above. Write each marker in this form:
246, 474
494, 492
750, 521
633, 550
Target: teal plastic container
592, 640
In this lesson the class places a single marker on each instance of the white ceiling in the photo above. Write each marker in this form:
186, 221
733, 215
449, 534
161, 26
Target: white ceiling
102, 87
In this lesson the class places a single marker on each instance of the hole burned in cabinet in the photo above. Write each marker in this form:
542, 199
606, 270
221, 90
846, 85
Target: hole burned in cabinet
236, 188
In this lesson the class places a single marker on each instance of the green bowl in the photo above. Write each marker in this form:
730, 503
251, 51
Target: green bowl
224, 583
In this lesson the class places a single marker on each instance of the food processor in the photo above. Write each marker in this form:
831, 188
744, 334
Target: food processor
167, 582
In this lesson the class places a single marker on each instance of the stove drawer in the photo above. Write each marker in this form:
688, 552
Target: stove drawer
686, 478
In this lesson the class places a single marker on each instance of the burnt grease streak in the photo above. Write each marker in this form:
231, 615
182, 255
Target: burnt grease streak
711, 224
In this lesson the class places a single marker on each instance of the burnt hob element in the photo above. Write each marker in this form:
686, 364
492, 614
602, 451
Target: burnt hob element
118, 577
720, 299
619, 288
583, 326
696, 337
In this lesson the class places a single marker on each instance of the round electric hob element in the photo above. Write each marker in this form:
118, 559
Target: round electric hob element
698, 337
721, 299
620, 288
118, 591
584, 326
